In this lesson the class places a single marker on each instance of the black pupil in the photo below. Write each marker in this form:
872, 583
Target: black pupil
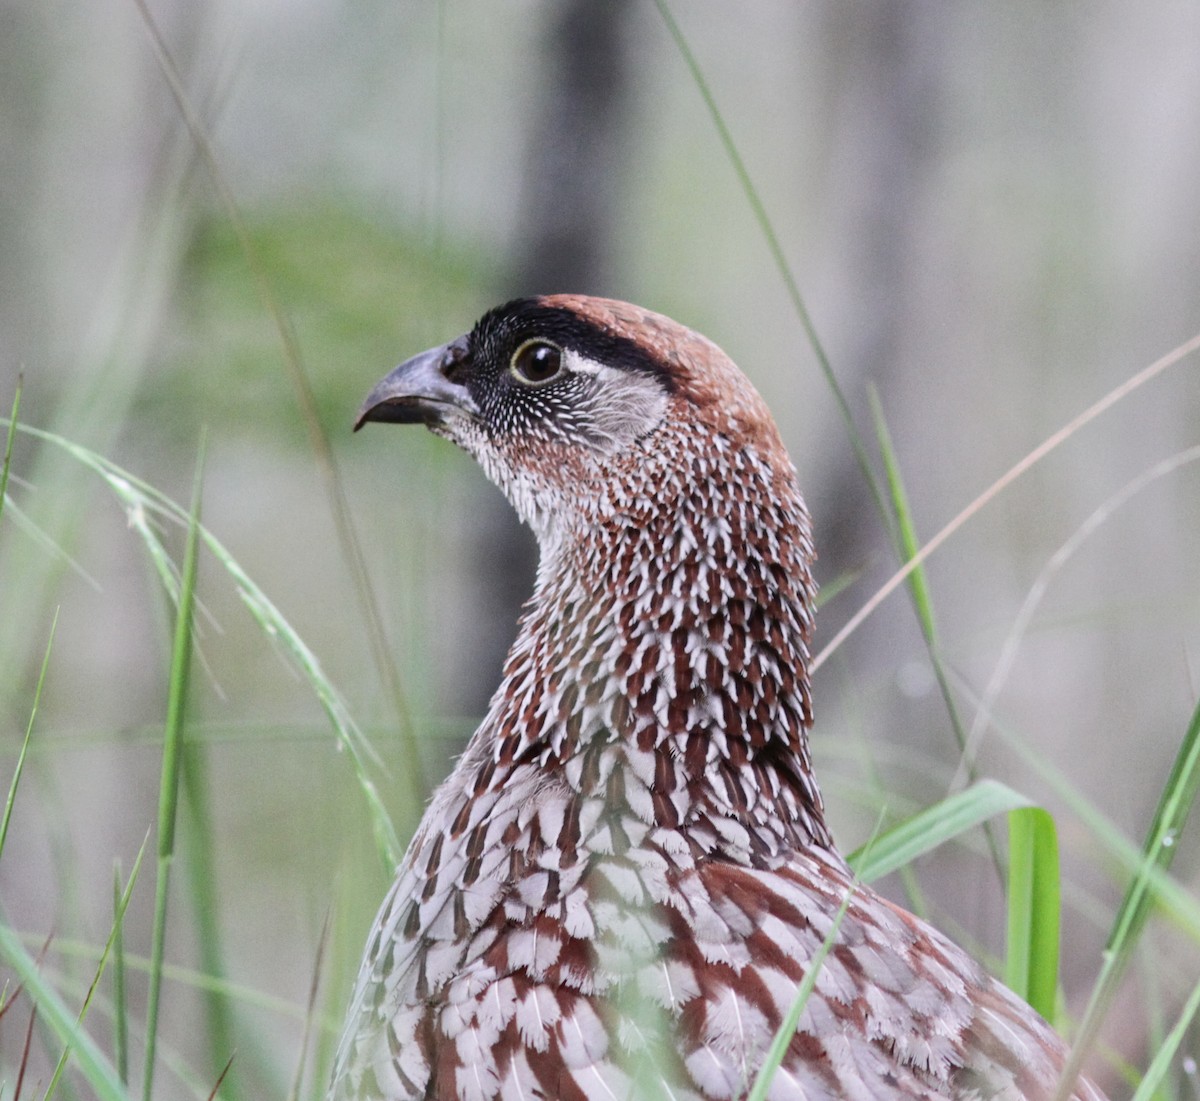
538, 362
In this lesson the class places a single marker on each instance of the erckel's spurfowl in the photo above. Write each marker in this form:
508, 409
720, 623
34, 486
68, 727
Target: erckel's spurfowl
621, 886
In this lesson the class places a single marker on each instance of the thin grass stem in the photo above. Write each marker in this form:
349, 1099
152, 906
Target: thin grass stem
1164, 1053
20, 765
1041, 584
906, 546
10, 435
142, 503
190, 977
122, 903
310, 1014
787, 1029
318, 438
759, 210
1030, 460
101, 1077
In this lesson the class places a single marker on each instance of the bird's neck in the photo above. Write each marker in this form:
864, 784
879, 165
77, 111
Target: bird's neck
663, 660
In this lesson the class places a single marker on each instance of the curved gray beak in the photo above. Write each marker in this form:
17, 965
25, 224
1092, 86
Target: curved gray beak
418, 391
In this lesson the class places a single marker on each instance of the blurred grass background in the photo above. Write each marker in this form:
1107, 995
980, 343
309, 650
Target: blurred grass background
991, 210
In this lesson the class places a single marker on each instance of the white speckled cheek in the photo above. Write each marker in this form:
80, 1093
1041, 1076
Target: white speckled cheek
620, 406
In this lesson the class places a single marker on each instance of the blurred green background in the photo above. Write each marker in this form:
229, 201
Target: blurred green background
991, 209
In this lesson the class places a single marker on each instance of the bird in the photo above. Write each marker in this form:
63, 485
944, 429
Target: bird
627, 882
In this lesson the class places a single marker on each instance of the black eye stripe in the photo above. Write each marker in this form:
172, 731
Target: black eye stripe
507, 368
502, 331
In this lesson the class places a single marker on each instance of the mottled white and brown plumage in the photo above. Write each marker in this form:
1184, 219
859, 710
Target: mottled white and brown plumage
620, 888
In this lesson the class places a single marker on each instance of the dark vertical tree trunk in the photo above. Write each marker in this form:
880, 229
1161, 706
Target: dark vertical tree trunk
568, 212
886, 120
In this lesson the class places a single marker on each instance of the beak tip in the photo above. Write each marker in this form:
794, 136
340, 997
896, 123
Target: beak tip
418, 392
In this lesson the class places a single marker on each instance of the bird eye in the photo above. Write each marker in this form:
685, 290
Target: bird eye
537, 361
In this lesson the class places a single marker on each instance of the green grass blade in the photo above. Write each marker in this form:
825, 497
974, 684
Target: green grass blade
1141, 895
203, 893
120, 1001
903, 531
122, 903
934, 826
1170, 818
908, 547
1034, 908
168, 794
1164, 1054
95, 1067
1179, 904
8, 444
786, 1030
142, 503
20, 766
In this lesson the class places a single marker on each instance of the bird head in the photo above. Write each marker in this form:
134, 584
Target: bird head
674, 599
579, 407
